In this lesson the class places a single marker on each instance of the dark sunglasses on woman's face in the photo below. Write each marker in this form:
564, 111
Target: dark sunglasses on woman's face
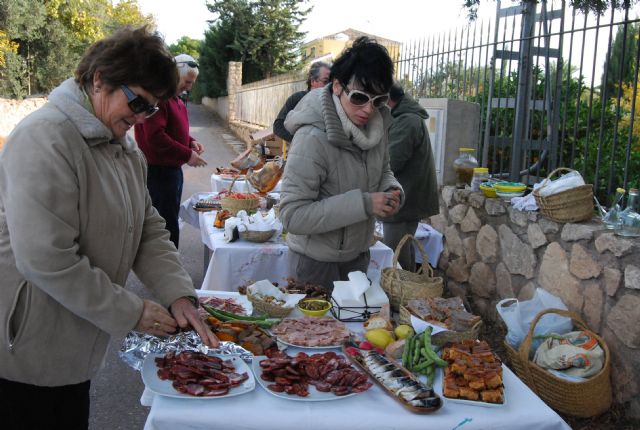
360, 98
191, 64
138, 104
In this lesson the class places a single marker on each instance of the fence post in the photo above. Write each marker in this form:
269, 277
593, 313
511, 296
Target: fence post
234, 82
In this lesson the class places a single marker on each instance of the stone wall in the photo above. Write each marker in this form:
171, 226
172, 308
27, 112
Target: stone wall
12, 111
494, 252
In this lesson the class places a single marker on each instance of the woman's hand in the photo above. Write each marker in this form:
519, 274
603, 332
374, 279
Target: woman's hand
156, 320
187, 316
195, 160
197, 147
385, 204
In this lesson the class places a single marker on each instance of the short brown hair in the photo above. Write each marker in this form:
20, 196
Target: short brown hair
131, 57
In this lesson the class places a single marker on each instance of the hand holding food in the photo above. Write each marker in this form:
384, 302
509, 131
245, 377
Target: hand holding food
155, 319
186, 315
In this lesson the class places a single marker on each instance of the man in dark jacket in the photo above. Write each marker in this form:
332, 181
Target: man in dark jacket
318, 77
412, 163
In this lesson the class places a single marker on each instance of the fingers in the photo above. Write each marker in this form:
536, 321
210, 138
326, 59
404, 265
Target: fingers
155, 319
187, 316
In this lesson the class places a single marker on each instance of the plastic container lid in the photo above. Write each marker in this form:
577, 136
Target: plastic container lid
480, 170
467, 149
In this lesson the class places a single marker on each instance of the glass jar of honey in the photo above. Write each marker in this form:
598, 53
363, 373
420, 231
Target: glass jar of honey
463, 167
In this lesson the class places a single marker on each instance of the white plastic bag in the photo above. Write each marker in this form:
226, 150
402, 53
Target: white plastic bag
566, 182
519, 315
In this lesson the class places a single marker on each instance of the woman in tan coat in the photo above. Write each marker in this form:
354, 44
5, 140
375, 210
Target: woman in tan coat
75, 219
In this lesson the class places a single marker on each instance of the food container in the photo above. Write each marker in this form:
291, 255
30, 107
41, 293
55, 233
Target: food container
509, 187
314, 307
463, 167
488, 190
480, 175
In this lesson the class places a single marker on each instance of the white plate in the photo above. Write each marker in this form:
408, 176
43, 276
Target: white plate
164, 388
308, 347
438, 389
314, 395
239, 298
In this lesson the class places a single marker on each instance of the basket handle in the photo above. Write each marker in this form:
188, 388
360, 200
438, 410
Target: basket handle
425, 257
525, 347
233, 181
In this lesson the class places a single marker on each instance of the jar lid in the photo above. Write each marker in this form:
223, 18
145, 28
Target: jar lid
467, 150
480, 170
621, 190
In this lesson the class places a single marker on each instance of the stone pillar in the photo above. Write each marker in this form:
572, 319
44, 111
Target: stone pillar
234, 82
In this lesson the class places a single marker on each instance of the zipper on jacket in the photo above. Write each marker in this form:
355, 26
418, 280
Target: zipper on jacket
12, 340
342, 234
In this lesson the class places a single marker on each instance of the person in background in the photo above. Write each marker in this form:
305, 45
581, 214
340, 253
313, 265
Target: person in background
411, 160
76, 218
165, 141
337, 177
318, 77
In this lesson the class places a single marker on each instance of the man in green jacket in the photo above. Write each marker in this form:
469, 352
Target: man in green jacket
412, 163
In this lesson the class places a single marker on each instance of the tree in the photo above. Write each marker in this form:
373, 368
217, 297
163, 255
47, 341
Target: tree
186, 45
45, 39
619, 68
586, 6
263, 34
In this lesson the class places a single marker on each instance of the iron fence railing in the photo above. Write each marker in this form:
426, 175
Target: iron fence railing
556, 88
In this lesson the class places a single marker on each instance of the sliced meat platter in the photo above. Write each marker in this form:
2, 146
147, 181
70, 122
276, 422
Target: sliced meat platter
311, 331
199, 374
327, 372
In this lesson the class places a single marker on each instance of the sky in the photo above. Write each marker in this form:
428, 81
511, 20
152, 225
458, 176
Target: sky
406, 20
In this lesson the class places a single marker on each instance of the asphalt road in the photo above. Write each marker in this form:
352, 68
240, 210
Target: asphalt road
116, 390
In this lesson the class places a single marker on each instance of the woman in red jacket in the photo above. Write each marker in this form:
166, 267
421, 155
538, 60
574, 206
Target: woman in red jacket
165, 141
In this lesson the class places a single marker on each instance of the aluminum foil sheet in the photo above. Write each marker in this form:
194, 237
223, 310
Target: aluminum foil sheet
136, 346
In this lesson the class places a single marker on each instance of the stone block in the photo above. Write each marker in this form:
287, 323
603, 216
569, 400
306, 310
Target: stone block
504, 286
457, 213
454, 242
535, 236
614, 244
518, 217
487, 244
632, 277
554, 276
476, 200
471, 222
527, 292
582, 264
482, 280
612, 279
438, 222
494, 207
625, 375
470, 252
458, 270
548, 226
593, 304
461, 196
572, 232
516, 255
623, 319
447, 194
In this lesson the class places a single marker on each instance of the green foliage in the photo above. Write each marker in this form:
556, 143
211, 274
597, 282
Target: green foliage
263, 34
585, 6
186, 45
620, 64
47, 38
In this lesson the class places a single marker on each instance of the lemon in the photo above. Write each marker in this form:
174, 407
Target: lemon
379, 337
403, 331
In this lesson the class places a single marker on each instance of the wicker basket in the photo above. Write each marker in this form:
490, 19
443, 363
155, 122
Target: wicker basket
581, 399
402, 285
573, 205
444, 337
267, 308
236, 205
257, 236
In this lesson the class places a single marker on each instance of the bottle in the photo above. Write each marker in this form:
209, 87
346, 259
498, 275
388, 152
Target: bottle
630, 218
463, 166
611, 219
480, 175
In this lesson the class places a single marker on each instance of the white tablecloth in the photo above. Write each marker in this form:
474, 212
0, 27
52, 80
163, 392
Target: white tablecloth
242, 263
372, 410
242, 186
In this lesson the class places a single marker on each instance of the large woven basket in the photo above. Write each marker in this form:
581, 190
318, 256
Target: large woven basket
444, 337
264, 307
236, 205
402, 285
571, 205
581, 399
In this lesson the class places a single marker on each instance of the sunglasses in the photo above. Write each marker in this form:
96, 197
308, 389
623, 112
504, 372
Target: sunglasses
138, 104
191, 64
360, 98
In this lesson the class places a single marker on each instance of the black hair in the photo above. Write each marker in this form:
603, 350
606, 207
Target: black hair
366, 62
131, 57
396, 92
314, 72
